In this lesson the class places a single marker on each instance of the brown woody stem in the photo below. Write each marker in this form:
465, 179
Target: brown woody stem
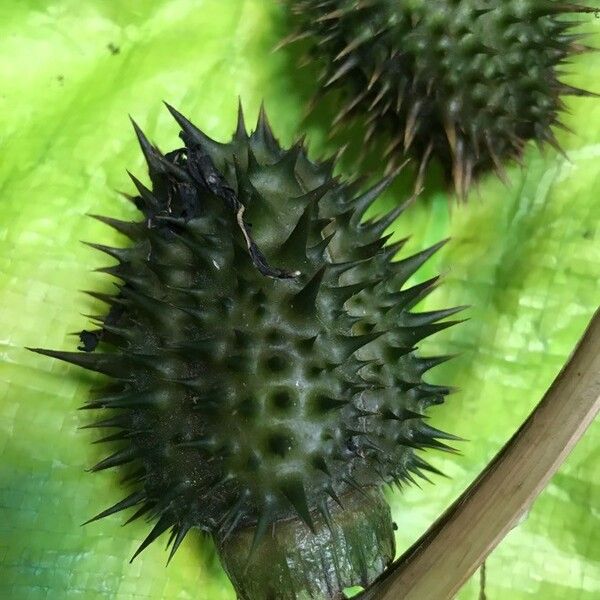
438, 564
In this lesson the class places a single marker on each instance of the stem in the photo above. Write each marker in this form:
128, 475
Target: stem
439, 563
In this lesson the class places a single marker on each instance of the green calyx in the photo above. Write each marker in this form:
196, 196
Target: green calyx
259, 375
352, 549
466, 81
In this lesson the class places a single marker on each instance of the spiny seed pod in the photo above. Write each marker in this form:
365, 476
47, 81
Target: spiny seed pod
466, 81
264, 405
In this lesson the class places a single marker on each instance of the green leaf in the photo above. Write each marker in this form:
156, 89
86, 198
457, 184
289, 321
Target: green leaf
526, 257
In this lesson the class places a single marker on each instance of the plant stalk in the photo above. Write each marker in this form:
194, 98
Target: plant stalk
441, 561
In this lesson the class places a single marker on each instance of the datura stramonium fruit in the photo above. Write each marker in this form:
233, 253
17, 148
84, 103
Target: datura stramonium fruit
468, 82
264, 405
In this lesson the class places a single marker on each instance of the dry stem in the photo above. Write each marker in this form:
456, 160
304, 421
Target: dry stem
437, 565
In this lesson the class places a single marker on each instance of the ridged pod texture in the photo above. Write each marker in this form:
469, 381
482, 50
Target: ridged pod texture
466, 81
244, 395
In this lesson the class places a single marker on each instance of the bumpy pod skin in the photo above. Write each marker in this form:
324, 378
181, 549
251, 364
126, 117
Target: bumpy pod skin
466, 81
247, 396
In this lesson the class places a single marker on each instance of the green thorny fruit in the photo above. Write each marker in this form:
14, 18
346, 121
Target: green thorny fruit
265, 406
466, 81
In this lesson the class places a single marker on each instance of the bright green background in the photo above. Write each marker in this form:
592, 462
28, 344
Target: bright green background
526, 257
